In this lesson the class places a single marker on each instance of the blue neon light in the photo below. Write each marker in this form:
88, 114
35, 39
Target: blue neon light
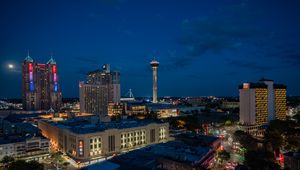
31, 86
55, 87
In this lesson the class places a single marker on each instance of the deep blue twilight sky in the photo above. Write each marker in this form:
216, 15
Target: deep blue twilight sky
204, 47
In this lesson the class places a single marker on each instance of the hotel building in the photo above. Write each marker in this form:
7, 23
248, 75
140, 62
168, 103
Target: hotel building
102, 87
262, 102
40, 87
85, 142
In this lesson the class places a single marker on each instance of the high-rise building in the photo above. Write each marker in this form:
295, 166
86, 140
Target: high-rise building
102, 87
154, 64
262, 102
40, 87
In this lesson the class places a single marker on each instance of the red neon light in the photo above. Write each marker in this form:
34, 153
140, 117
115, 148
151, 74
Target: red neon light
30, 67
54, 69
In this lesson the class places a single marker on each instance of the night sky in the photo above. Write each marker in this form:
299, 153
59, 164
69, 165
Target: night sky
204, 47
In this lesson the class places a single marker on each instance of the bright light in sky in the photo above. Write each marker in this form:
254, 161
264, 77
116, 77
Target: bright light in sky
10, 66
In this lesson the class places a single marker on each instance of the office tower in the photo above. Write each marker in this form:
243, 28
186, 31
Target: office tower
102, 87
154, 64
40, 87
262, 102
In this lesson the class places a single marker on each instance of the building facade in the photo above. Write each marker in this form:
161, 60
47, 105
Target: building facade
115, 109
102, 87
32, 148
262, 102
86, 142
40, 86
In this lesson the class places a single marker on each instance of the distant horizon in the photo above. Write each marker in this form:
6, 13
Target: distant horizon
150, 97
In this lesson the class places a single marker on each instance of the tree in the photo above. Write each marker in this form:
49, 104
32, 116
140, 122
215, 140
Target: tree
7, 159
275, 138
228, 123
23, 165
224, 155
66, 164
57, 156
260, 160
246, 140
152, 115
35, 165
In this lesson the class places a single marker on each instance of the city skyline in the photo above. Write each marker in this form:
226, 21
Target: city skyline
204, 48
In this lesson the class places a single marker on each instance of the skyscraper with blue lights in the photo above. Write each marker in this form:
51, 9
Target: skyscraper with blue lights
40, 87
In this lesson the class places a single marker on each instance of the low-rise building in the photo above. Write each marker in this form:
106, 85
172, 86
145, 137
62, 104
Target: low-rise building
135, 108
115, 109
254, 130
25, 148
230, 104
84, 141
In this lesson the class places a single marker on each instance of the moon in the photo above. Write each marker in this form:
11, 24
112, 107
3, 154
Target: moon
11, 66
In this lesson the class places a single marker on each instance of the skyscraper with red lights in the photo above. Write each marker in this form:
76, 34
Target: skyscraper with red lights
40, 87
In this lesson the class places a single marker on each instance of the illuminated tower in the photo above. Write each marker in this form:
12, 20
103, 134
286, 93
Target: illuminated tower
154, 64
40, 88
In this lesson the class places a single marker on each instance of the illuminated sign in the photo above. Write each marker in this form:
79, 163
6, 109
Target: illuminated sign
30, 67
54, 69
55, 87
31, 85
80, 146
30, 76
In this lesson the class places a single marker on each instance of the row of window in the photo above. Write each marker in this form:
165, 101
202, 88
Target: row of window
95, 146
131, 139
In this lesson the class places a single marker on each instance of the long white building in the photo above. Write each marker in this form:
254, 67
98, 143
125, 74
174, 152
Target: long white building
86, 142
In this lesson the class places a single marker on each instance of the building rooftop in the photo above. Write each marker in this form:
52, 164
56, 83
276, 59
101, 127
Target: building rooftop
17, 138
51, 61
181, 152
28, 59
280, 86
146, 158
84, 126
201, 139
252, 85
264, 79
